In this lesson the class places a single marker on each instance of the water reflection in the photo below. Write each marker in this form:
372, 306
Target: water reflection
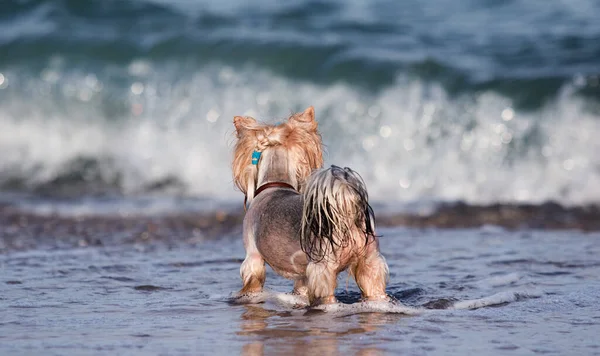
271, 331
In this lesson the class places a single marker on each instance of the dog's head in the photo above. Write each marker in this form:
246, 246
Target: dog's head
298, 135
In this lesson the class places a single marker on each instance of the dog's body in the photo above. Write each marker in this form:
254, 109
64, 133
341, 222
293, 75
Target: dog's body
307, 224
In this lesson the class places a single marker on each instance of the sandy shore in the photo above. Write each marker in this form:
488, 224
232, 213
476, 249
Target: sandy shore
22, 230
459, 215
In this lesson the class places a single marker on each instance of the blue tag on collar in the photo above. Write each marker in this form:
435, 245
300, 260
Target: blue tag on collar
255, 157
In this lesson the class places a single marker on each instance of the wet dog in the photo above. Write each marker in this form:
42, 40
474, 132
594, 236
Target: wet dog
308, 223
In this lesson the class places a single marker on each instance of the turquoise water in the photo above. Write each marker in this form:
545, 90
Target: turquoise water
472, 101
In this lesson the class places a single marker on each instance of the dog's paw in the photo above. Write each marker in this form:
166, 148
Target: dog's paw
247, 298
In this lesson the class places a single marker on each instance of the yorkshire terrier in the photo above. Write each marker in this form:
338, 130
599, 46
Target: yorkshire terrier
308, 223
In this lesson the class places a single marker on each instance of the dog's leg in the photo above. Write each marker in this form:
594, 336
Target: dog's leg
371, 273
321, 282
253, 273
253, 270
300, 293
300, 287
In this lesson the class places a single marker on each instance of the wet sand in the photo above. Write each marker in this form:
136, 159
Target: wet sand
21, 229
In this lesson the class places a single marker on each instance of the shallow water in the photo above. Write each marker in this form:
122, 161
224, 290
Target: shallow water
159, 298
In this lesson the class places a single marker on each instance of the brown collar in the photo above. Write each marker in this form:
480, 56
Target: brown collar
272, 185
267, 186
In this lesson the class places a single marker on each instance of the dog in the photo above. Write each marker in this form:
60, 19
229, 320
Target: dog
308, 223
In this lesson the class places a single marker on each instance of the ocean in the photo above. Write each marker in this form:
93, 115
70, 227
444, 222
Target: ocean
473, 101
473, 124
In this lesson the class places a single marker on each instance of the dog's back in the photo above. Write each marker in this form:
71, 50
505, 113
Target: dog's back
276, 219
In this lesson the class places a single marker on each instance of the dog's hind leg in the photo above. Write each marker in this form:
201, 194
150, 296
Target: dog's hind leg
300, 287
371, 274
321, 282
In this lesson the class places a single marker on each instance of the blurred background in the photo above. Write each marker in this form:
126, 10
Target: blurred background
480, 101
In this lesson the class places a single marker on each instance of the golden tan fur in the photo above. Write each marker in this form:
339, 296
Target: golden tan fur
330, 197
298, 135
314, 225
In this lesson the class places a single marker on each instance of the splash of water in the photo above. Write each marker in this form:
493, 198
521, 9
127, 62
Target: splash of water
411, 141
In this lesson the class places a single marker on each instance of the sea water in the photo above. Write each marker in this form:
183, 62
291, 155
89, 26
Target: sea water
120, 229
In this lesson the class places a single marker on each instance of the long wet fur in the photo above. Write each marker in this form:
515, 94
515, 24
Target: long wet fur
335, 202
310, 233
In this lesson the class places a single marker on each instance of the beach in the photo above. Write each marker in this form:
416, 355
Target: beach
474, 125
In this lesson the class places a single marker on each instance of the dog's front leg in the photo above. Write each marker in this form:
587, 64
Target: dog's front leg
253, 270
253, 273
321, 282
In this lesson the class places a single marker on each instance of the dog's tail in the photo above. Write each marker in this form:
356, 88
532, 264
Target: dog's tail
336, 213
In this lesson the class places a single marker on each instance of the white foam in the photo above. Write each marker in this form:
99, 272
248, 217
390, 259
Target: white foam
286, 300
340, 309
502, 280
410, 141
496, 299
290, 301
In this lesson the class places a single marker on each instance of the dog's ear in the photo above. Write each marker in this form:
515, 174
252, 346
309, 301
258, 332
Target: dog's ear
242, 123
306, 119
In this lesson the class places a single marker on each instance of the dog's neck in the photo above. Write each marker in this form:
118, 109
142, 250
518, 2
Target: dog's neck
275, 166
